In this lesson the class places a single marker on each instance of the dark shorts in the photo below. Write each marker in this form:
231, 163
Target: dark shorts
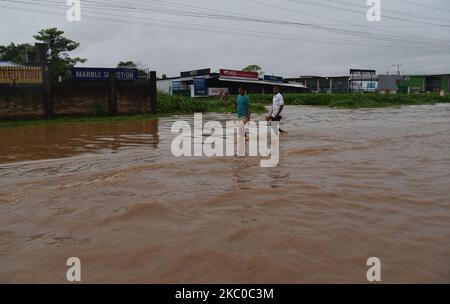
277, 118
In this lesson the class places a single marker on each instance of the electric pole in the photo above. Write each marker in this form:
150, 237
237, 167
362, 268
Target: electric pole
398, 68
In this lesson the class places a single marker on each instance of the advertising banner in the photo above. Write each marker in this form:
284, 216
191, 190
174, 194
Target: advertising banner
357, 72
200, 89
364, 86
217, 91
203, 72
180, 88
239, 74
103, 73
273, 78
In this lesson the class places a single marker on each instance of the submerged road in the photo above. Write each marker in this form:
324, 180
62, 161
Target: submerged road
351, 184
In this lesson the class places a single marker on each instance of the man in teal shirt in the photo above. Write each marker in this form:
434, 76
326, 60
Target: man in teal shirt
243, 105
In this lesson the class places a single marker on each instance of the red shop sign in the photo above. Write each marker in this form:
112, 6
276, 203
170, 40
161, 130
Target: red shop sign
238, 74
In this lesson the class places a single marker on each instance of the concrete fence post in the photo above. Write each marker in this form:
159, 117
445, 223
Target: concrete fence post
48, 92
153, 94
112, 100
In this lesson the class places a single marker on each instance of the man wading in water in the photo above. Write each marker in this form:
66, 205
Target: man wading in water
278, 105
243, 105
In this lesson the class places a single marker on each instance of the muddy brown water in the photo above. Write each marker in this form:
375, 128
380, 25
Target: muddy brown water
351, 184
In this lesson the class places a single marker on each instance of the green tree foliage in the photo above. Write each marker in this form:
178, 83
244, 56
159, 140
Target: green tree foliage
142, 71
127, 64
59, 60
254, 68
15, 52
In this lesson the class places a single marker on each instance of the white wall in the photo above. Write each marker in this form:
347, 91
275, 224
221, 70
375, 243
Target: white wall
164, 85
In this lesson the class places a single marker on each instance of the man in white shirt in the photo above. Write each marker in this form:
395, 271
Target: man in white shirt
277, 107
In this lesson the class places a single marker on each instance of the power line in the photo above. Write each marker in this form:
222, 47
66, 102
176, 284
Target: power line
352, 33
193, 27
311, 3
351, 24
396, 12
424, 5
427, 65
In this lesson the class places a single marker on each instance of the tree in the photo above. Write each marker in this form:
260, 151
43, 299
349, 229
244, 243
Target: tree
127, 64
254, 68
15, 52
59, 60
142, 71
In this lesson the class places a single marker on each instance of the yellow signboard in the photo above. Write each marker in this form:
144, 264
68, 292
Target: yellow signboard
21, 75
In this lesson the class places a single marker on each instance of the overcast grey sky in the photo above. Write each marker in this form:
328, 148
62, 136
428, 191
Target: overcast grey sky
286, 37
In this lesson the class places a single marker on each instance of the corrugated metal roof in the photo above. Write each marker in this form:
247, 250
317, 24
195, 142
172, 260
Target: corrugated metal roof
9, 64
281, 84
190, 78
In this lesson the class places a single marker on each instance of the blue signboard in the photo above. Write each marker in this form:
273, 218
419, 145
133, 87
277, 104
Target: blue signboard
180, 88
273, 78
176, 86
200, 88
372, 85
103, 74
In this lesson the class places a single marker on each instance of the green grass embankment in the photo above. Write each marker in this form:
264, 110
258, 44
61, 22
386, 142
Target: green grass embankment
169, 105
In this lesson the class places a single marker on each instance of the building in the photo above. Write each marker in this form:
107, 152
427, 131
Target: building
388, 83
424, 83
360, 81
181, 85
9, 64
202, 83
320, 84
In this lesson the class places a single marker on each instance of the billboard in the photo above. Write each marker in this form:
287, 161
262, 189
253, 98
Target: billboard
180, 88
217, 91
273, 78
357, 72
239, 74
200, 89
363, 80
364, 86
202, 72
21, 75
103, 73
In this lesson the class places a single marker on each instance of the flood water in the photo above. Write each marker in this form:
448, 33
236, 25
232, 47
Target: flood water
351, 184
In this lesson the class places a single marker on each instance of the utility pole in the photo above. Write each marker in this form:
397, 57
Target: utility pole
398, 68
